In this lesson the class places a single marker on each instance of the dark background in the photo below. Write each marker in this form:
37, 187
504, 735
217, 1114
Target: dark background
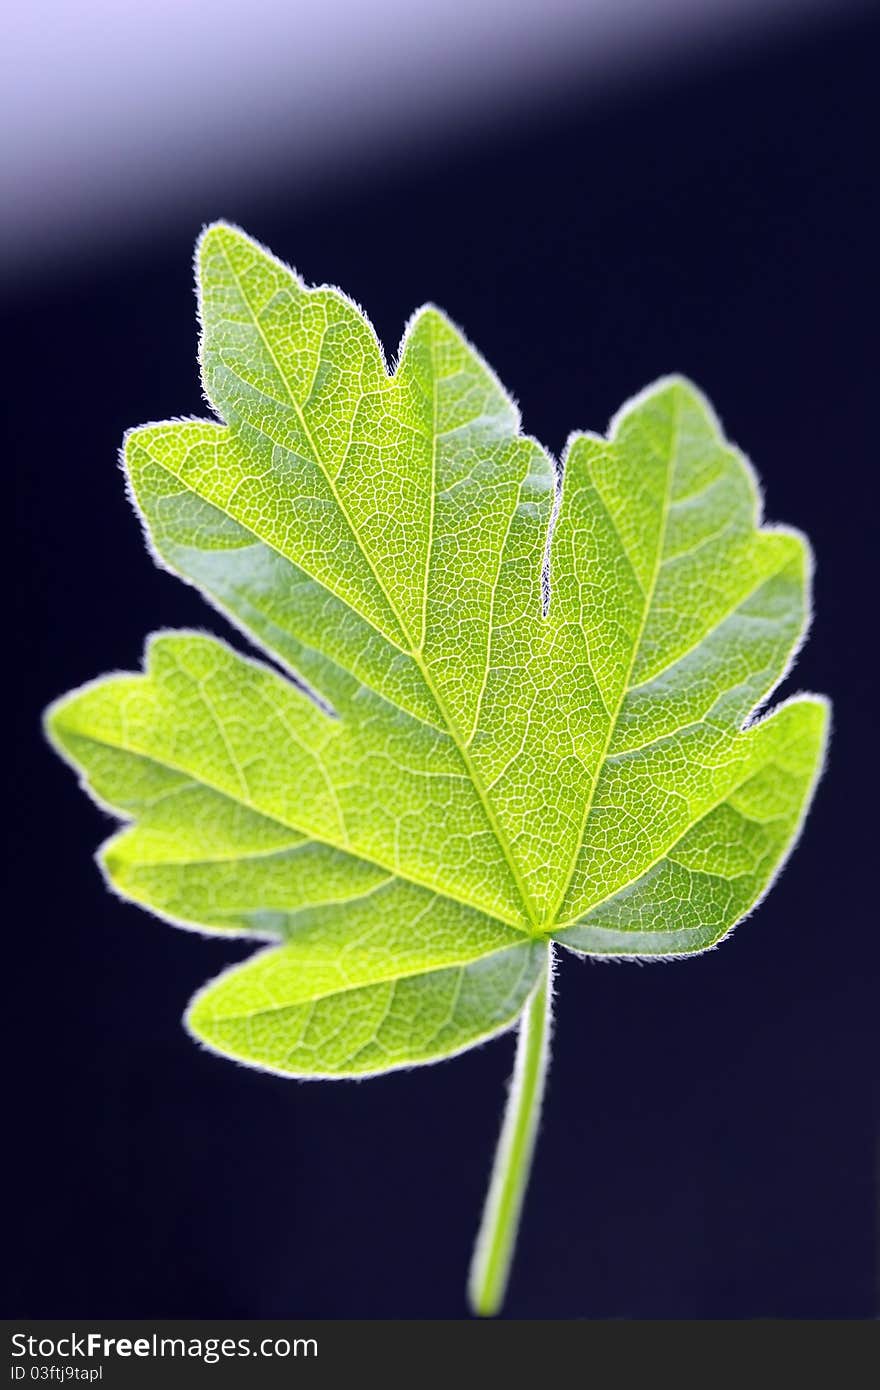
708, 1144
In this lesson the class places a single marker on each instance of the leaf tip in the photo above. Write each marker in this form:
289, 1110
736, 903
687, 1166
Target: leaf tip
50, 721
57, 725
216, 236
823, 713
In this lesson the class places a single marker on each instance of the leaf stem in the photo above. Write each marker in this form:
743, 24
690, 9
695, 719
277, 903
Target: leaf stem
493, 1252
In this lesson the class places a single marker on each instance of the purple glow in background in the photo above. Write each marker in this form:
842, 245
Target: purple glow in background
113, 112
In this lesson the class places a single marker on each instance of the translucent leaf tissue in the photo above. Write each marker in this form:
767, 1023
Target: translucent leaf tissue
508, 709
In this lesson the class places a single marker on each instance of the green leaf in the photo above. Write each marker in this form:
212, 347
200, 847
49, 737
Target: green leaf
386, 980
508, 723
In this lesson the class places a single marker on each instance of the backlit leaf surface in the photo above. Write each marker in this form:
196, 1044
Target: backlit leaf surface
496, 719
